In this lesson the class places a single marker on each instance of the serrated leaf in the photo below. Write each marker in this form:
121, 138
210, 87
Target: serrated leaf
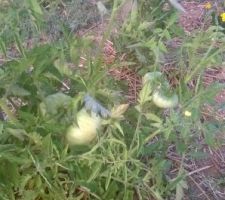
95, 172
30, 194
16, 90
162, 47
140, 56
145, 25
18, 133
180, 189
9, 174
117, 125
62, 67
35, 138
24, 180
153, 117
145, 94
34, 5
209, 137
112, 191
117, 112
108, 179
53, 102
47, 146
129, 195
19, 43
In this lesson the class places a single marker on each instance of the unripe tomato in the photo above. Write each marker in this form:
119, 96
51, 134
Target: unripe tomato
151, 76
163, 101
86, 129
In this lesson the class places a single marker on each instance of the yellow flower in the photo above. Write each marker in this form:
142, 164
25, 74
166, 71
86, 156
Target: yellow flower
222, 15
208, 5
187, 113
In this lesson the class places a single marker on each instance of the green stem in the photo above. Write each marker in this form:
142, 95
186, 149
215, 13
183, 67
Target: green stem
98, 64
109, 27
136, 133
197, 84
152, 135
198, 67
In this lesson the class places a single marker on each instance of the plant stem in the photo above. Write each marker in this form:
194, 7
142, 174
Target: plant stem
136, 133
108, 29
198, 67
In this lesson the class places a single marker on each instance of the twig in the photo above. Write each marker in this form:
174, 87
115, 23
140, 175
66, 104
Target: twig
92, 27
199, 170
200, 188
65, 85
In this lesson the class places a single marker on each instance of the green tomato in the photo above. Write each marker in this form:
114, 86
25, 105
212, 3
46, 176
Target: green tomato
151, 76
163, 101
86, 131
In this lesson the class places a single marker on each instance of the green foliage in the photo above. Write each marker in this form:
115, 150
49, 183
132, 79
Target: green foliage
128, 160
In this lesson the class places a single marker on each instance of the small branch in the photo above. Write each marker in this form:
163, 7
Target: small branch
199, 187
199, 170
65, 85
136, 136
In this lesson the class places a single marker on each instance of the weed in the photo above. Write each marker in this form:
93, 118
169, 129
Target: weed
142, 150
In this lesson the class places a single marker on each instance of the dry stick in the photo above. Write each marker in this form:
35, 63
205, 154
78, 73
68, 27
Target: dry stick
199, 170
196, 171
186, 166
92, 27
65, 85
200, 188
